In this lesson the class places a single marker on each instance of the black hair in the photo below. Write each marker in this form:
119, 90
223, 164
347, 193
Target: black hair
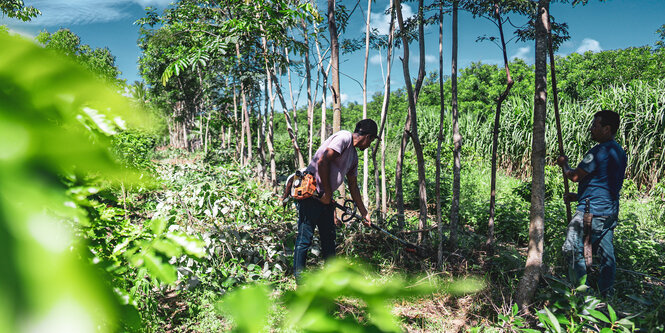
608, 118
366, 126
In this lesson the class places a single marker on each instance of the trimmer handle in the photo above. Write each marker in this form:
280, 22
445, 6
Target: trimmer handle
348, 210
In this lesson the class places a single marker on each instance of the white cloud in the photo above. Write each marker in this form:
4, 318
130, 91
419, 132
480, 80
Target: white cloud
72, 12
20, 32
345, 98
522, 52
381, 21
429, 59
589, 44
375, 59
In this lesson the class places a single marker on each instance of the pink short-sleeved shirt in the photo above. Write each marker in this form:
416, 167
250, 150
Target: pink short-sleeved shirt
346, 163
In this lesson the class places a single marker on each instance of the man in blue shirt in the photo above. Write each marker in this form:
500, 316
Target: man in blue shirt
600, 176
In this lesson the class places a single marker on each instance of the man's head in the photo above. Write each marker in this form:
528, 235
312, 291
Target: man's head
365, 132
605, 125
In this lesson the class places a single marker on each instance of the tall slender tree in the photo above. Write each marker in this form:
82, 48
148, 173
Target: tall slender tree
495, 136
366, 153
412, 99
439, 141
534, 262
334, 59
382, 201
457, 137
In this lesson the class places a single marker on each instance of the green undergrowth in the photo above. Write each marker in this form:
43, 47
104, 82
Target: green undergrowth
240, 236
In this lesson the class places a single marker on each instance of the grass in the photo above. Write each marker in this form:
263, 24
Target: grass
640, 241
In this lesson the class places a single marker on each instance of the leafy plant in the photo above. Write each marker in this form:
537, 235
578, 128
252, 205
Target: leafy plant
574, 310
55, 120
311, 307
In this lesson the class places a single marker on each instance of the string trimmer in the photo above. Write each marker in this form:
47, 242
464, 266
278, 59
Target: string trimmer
349, 213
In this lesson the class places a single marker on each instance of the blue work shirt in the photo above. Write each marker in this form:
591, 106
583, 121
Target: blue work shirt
606, 165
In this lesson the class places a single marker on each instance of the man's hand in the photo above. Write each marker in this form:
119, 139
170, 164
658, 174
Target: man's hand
562, 161
367, 220
569, 197
326, 198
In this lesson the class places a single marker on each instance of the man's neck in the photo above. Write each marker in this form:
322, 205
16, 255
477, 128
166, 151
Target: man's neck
605, 139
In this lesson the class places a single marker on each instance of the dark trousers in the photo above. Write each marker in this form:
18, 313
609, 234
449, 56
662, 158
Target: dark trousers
602, 233
313, 214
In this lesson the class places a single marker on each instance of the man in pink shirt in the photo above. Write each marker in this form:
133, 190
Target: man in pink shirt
335, 159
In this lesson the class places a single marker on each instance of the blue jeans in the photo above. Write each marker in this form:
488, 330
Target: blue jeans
602, 233
312, 214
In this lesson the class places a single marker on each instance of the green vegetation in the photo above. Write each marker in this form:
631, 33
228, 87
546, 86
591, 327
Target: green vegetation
104, 226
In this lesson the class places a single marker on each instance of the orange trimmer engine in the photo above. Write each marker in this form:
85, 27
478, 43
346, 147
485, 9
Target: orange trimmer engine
304, 185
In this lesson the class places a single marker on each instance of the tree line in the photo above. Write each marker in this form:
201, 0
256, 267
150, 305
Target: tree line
215, 69
218, 68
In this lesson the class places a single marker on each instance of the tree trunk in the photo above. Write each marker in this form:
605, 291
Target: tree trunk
261, 132
411, 95
334, 59
270, 136
495, 136
310, 98
235, 122
557, 118
366, 152
246, 124
381, 201
324, 82
294, 103
399, 187
269, 71
335, 88
439, 141
529, 282
457, 138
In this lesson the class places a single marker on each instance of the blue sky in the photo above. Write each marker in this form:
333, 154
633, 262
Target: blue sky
597, 26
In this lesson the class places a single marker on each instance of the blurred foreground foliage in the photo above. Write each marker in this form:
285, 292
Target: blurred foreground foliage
312, 307
56, 124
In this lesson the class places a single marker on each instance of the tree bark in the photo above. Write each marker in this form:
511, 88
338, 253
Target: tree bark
310, 98
411, 95
247, 128
495, 137
335, 87
300, 163
457, 138
270, 136
334, 58
324, 83
529, 282
294, 103
557, 118
439, 141
381, 201
366, 152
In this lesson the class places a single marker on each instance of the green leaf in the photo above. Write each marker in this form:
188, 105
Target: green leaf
158, 225
159, 269
192, 246
249, 308
515, 309
613, 315
599, 315
553, 320
167, 247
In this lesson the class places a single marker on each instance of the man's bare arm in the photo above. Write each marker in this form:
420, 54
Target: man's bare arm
576, 174
357, 197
